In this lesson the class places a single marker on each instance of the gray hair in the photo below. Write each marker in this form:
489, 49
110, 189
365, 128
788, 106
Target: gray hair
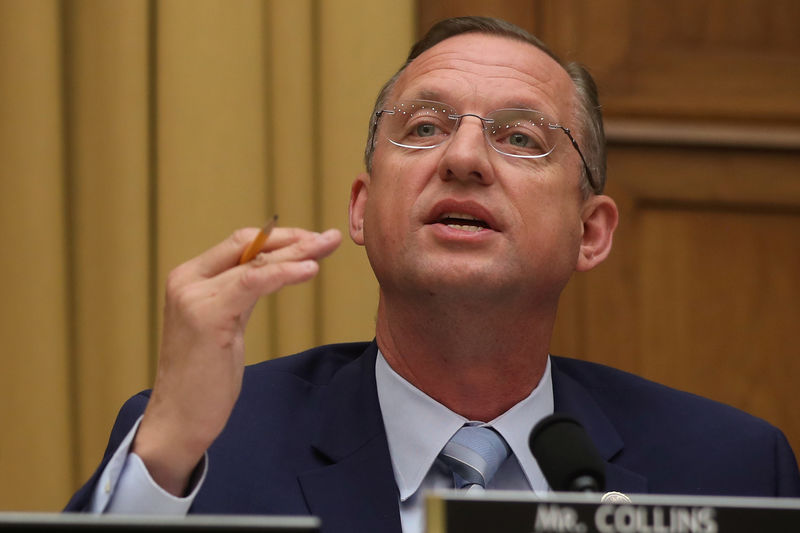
589, 116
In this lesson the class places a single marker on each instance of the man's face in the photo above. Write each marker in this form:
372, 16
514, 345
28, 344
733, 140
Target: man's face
529, 211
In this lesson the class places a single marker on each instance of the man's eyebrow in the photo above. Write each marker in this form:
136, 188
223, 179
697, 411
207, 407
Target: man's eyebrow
427, 94
436, 96
519, 104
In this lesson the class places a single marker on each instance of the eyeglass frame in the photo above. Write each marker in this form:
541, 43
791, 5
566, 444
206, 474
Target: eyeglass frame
484, 121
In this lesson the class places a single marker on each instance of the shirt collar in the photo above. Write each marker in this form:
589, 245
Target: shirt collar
418, 427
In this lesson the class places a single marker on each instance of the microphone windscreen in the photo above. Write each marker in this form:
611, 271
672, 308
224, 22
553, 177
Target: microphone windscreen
566, 455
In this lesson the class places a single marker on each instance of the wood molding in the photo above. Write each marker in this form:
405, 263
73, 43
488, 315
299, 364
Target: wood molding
699, 133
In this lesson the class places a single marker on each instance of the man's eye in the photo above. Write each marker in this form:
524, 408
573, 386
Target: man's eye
520, 140
425, 130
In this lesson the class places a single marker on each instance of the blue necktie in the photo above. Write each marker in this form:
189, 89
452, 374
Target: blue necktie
474, 454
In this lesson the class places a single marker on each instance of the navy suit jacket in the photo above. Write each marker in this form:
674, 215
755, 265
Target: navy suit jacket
307, 437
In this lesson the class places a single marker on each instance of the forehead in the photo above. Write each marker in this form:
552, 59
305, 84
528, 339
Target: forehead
478, 73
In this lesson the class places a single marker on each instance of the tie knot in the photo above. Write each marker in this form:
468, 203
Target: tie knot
474, 454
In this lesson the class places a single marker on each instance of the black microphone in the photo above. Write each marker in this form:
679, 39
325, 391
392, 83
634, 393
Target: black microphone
566, 455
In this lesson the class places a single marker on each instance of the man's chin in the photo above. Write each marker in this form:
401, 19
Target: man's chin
462, 283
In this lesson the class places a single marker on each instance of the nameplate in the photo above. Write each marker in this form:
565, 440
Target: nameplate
522, 512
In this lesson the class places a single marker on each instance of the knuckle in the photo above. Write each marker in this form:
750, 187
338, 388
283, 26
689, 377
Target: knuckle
267, 280
250, 279
282, 271
194, 317
261, 259
241, 236
296, 233
174, 281
180, 301
181, 298
184, 306
294, 236
304, 247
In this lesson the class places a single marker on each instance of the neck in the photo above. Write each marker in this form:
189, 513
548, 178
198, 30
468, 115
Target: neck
475, 358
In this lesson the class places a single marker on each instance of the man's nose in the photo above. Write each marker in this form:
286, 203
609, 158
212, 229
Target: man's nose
466, 154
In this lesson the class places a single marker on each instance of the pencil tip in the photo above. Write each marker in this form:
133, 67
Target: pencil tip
271, 223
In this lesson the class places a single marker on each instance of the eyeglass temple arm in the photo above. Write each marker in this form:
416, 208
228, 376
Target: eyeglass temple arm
577, 149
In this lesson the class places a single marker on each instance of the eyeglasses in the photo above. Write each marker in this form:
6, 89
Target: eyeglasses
524, 133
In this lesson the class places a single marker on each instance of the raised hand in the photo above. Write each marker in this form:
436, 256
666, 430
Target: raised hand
208, 302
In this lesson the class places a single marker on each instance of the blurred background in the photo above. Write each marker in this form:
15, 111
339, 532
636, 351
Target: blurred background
135, 134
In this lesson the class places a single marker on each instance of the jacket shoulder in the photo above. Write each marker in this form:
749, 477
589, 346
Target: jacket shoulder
315, 366
626, 392
682, 442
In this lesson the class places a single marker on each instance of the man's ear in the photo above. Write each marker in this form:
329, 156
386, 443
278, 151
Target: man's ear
600, 217
358, 205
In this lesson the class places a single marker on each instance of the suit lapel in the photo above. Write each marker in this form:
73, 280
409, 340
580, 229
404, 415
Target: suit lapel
572, 398
356, 491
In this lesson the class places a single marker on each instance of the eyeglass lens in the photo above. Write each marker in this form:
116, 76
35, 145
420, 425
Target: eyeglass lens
515, 132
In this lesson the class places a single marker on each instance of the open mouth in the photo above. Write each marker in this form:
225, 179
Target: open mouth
462, 221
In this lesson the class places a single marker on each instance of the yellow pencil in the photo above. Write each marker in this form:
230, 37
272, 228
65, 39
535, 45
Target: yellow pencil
255, 246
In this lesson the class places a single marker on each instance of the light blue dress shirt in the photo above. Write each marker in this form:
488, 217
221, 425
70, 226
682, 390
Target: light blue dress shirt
418, 427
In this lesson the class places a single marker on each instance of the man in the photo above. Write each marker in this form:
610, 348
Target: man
485, 168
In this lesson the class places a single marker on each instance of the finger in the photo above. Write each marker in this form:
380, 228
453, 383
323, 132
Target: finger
227, 253
316, 246
270, 271
237, 290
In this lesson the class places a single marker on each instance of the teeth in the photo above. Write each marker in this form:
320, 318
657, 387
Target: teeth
462, 216
465, 228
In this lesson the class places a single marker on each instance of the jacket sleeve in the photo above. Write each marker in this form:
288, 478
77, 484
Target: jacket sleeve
787, 474
127, 417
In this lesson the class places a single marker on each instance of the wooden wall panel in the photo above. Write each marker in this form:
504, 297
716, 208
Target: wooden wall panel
711, 59
701, 290
708, 59
717, 295
520, 12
